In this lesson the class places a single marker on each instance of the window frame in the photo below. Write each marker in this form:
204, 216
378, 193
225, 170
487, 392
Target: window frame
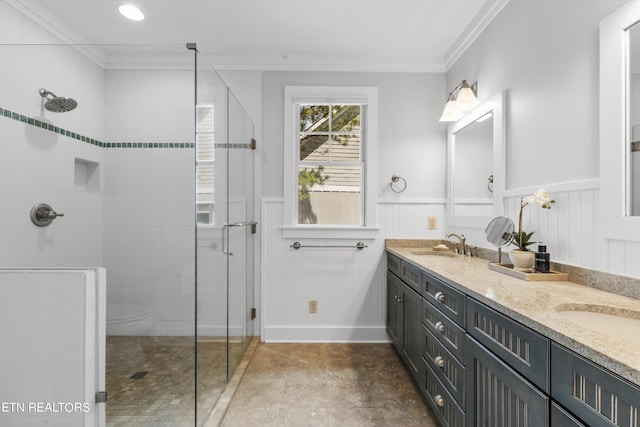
366, 96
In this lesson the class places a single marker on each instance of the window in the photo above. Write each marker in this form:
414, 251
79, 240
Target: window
329, 158
330, 166
204, 164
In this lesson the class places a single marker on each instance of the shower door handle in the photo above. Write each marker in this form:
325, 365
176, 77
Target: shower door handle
225, 229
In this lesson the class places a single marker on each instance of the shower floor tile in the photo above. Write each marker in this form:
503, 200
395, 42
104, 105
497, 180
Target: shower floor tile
164, 395
327, 385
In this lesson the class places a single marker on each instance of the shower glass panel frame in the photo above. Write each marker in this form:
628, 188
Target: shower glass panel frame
121, 168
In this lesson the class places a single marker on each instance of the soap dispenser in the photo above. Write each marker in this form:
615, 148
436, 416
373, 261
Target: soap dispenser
543, 259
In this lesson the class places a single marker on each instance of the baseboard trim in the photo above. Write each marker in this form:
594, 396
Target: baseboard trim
325, 334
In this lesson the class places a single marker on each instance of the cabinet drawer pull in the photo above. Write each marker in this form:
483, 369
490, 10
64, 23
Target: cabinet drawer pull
439, 361
439, 296
398, 299
439, 400
439, 327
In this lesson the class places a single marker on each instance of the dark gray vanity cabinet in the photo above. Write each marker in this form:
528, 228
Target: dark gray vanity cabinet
442, 377
562, 418
394, 309
404, 307
595, 396
412, 305
523, 349
478, 367
507, 371
498, 396
448, 300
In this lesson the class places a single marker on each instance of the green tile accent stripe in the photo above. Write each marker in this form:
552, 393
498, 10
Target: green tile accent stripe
64, 132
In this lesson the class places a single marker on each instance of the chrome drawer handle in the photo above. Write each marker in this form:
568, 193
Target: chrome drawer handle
439, 327
439, 296
398, 299
439, 401
439, 361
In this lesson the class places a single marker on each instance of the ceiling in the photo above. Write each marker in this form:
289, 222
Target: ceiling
419, 35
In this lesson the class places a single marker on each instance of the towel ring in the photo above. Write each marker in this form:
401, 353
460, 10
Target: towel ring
394, 180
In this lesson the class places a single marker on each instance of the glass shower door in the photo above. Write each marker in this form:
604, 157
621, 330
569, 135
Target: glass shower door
224, 234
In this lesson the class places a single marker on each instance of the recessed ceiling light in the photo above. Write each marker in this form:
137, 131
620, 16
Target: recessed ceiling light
131, 12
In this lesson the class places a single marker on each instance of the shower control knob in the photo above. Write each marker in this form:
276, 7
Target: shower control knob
42, 214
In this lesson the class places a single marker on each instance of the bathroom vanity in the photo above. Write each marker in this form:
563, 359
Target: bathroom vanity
489, 349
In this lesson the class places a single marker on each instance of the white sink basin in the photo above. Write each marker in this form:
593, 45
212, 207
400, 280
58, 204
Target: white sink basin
611, 321
432, 252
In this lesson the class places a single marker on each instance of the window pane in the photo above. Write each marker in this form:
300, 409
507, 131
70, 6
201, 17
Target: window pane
314, 148
204, 185
314, 118
204, 146
345, 148
345, 118
330, 195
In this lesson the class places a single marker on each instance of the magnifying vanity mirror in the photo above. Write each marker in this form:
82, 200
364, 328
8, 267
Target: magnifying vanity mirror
499, 233
475, 170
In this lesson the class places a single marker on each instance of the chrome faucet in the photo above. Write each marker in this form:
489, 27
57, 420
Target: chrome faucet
463, 244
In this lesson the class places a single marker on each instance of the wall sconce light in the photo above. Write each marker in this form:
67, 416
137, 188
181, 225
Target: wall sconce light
466, 100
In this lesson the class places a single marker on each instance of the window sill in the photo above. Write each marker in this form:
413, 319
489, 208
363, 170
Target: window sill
329, 232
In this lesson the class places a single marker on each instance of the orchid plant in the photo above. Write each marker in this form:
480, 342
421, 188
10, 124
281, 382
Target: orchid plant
540, 198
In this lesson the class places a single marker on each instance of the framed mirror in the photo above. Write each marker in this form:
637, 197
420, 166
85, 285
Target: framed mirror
633, 122
475, 165
620, 123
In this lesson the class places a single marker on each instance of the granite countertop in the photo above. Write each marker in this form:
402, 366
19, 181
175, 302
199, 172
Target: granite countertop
536, 304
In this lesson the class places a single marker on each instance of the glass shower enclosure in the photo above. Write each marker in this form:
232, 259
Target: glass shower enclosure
152, 175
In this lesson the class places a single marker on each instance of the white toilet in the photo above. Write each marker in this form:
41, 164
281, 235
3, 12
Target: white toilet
129, 319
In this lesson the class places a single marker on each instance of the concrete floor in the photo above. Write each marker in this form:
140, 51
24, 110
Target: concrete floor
327, 385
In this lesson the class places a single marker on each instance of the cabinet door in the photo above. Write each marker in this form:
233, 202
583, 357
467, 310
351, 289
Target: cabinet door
394, 309
498, 396
594, 395
523, 349
411, 328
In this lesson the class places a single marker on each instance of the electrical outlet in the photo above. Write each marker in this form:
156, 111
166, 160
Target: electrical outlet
313, 306
432, 222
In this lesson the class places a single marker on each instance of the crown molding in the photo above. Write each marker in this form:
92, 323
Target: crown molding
483, 18
329, 62
59, 30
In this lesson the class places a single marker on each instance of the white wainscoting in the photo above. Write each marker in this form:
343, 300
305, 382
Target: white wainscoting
570, 229
349, 284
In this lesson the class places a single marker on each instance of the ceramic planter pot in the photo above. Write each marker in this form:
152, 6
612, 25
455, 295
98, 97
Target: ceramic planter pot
523, 260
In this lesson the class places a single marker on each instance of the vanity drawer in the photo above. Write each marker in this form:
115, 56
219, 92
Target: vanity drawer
447, 368
592, 394
561, 418
445, 298
443, 404
394, 264
446, 330
523, 349
412, 276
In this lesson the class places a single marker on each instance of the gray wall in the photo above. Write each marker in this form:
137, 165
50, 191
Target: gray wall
411, 141
545, 52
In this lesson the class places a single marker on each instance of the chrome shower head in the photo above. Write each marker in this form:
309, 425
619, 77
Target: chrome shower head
57, 104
